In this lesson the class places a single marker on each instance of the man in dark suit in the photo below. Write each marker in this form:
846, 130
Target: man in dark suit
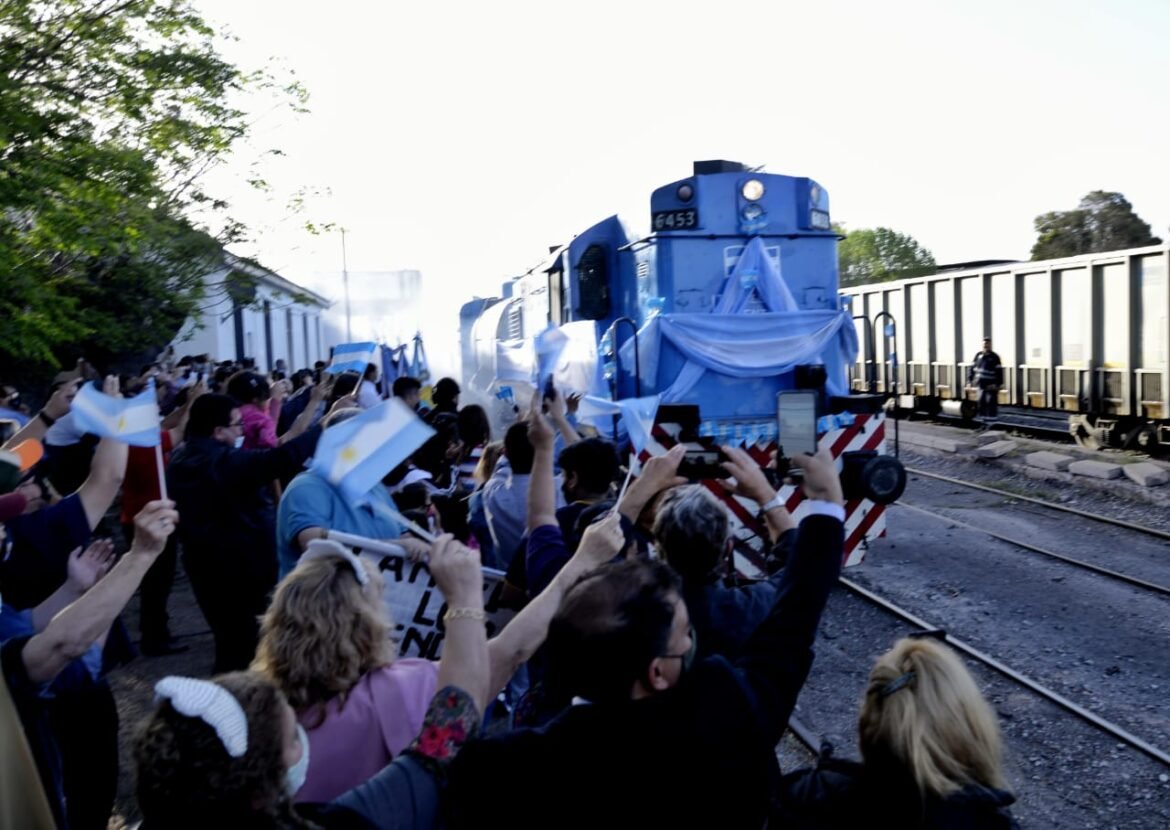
655, 738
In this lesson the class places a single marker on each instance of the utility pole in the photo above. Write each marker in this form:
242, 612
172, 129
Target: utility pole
345, 280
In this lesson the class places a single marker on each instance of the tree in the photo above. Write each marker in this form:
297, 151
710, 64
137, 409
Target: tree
1103, 222
880, 254
110, 113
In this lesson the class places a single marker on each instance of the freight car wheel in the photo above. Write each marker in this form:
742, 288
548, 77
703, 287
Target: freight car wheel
1146, 440
1086, 439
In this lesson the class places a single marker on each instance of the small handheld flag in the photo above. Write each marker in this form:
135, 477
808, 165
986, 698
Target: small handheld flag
133, 421
353, 357
356, 454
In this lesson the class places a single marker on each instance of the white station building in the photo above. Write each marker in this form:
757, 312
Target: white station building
262, 316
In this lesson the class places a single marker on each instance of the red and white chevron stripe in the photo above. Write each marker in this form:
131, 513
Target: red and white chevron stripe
864, 520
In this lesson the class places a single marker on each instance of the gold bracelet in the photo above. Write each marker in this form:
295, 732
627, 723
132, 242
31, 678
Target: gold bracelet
464, 614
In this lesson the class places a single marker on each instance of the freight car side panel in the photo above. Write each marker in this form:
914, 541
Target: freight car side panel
1085, 334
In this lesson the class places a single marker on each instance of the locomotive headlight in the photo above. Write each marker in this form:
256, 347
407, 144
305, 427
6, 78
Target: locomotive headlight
685, 193
753, 189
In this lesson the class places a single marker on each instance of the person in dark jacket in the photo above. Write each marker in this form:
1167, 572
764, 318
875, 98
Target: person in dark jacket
692, 532
987, 373
657, 739
229, 521
931, 754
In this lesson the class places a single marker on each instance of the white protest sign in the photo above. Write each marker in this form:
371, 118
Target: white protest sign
415, 603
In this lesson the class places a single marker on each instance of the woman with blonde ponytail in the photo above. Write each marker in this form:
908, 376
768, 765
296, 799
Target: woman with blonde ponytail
930, 748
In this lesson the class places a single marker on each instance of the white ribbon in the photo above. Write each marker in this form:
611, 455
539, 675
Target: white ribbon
212, 704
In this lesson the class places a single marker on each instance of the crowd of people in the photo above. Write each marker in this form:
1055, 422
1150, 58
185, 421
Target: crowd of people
639, 682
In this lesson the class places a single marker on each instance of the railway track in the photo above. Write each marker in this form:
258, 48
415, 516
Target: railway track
1102, 570
808, 738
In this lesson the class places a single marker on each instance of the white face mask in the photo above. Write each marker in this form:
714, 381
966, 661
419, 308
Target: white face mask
295, 777
239, 442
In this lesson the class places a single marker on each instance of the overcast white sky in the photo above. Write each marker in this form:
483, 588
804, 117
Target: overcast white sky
463, 138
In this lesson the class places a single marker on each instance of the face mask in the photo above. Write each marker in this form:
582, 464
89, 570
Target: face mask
688, 659
295, 777
239, 442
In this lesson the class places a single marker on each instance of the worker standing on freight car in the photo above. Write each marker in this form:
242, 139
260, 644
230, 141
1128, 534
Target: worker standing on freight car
987, 373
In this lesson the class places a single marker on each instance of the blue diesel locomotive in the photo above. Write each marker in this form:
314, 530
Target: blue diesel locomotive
729, 249
729, 300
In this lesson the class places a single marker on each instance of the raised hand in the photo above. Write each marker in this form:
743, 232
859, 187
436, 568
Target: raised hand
750, 480
457, 571
602, 541
85, 568
821, 480
152, 526
62, 399
540, 431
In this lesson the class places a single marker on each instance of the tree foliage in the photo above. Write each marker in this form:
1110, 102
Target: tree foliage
1102, 222
110, 113
880, 254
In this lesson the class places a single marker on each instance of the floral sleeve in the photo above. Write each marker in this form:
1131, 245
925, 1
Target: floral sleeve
452, 720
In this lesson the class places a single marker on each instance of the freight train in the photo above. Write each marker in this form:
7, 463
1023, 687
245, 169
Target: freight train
728, 300
1085, 335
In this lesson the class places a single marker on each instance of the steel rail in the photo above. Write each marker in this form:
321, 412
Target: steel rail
806, 736
1161, 534
989, 661
1080, 563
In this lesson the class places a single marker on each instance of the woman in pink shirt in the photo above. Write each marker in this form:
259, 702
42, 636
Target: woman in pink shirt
325, 641
260, 409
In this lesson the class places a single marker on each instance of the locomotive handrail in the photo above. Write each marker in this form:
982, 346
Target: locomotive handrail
870, 352
617, 355
893, 360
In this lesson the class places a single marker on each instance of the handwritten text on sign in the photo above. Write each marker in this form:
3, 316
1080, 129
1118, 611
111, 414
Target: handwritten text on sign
417, 606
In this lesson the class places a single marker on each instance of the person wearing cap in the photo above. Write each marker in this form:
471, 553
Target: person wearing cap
18, 460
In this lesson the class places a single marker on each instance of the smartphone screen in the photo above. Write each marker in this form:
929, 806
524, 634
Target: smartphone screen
796, 413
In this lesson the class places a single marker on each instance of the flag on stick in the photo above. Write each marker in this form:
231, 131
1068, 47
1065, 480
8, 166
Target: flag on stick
133, 421
353, 357
356, 454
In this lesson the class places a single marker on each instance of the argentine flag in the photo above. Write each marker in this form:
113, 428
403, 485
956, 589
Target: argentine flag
353, 357
637, 415
133, 421
355, 454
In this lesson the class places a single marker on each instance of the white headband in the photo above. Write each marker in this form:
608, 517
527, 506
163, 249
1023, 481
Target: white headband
212, 704
328, 547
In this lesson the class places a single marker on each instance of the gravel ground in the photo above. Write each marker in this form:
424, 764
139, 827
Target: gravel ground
1065, 773
1101, 643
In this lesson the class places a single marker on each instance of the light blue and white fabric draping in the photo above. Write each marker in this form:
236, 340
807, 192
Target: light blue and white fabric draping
755, 271
742, 345
746, 346
353, 357
356, 454
133, 421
